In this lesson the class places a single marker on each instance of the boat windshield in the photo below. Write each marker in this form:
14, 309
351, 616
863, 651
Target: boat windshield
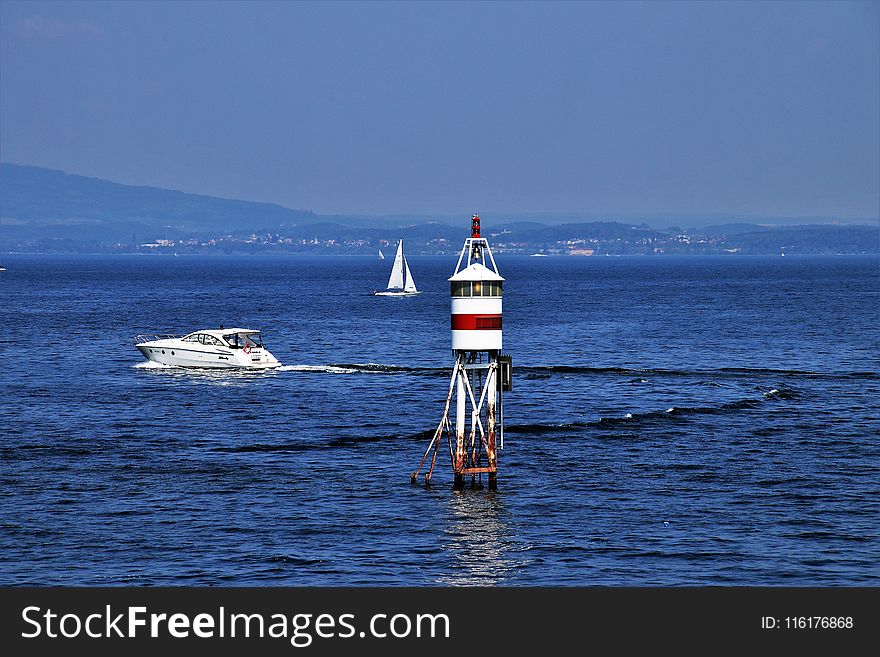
240, 340
203, 338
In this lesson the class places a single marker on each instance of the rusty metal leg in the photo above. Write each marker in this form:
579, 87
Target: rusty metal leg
437, 434
460, 403
430, 472
415, 475
490, 429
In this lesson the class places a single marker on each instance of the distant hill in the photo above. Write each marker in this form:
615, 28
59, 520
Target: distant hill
37, 197
809, 240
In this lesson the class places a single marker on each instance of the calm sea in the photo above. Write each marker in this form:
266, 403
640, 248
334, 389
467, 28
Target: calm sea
673, 421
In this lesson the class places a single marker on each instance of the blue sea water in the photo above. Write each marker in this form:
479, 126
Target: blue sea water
673, 421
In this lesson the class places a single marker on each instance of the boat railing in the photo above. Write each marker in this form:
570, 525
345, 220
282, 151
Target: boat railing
150, 337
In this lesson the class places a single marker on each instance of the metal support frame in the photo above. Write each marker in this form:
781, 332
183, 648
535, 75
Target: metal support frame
472, 438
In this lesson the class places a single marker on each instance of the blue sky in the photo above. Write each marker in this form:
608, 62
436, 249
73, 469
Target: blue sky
755, 108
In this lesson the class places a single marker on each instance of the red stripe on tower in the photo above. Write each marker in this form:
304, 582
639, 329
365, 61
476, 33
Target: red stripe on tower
475, 226
462, 322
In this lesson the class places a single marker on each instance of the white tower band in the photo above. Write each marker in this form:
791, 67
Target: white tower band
480, 374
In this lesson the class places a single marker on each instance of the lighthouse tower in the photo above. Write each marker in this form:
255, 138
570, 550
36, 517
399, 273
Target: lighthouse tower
480, 373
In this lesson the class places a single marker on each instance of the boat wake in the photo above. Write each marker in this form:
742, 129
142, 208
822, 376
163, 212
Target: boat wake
329, 369
364, 368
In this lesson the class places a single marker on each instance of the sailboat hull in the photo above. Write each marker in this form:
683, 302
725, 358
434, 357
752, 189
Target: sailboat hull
394, 293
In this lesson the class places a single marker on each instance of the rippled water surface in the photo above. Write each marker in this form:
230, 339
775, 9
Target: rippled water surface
673, 421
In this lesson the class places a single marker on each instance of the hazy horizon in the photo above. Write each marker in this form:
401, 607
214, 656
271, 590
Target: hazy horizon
583, 108
695, 220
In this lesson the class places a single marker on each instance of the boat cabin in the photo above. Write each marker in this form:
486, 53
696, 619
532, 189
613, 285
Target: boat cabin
233, 338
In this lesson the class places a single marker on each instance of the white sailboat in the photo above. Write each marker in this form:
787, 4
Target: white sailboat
381, 255
400, 283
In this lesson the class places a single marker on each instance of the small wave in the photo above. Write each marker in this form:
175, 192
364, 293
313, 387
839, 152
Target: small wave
670, 414
780, 393
294, 560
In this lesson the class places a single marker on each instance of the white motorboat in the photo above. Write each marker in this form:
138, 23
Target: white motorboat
214, 348
400, 283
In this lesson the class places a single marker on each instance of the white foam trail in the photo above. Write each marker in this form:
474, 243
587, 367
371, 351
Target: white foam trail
330, 369
152, 365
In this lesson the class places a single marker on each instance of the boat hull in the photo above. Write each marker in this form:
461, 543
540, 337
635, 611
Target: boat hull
176, 354
391, 293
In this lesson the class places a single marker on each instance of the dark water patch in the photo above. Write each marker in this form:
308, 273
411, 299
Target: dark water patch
427, 434
799, 373
787, 481
706, 477
638, 374
545, 428
293, 560
630, 419
354, 441
831, 536
288, 447
127, 437
48, 451
769, 431
685, 466
233, 529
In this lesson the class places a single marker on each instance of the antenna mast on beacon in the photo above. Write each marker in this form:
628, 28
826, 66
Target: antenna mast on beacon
480, 374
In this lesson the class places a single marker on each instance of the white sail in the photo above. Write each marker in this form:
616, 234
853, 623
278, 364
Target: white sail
409, 284
400, 283
395, 281
381, 255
